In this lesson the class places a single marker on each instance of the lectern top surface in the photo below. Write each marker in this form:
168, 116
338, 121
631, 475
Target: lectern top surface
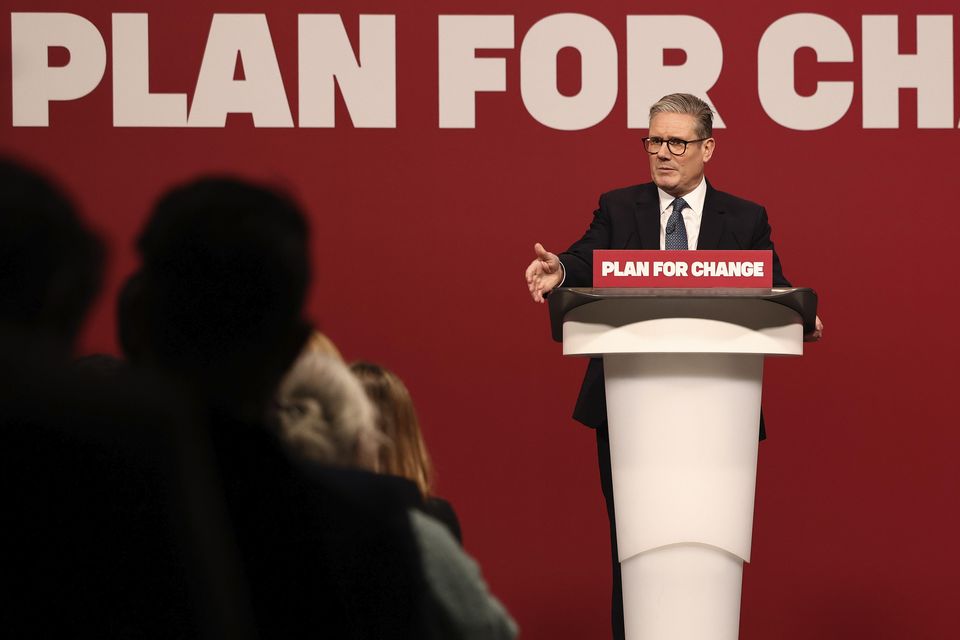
802, 300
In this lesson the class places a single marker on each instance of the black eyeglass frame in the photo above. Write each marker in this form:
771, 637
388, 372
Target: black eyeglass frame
668, 142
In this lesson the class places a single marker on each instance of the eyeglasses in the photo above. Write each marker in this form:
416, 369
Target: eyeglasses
676, 146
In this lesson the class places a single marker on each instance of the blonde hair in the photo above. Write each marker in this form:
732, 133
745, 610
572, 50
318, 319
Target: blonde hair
397, 420
318, 342
324, 415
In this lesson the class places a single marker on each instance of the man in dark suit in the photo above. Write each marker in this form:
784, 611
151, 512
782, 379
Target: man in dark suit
678, 210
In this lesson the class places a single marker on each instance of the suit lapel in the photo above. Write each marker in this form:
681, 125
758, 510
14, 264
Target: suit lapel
647, 215
711, 222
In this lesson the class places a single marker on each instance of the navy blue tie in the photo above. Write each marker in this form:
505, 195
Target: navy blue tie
676, 230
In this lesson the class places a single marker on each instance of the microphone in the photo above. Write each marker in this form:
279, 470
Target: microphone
671, 227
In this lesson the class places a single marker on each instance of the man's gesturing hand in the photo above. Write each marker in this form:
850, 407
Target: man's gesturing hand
544, 273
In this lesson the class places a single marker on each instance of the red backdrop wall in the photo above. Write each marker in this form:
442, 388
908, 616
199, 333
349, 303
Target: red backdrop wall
420, 238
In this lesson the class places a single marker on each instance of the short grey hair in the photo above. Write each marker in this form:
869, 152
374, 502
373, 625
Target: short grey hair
324, 414
690, 105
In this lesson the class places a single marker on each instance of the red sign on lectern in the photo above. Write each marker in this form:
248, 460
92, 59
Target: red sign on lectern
683, 269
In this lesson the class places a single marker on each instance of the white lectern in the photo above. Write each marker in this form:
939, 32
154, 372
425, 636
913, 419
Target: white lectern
683, 371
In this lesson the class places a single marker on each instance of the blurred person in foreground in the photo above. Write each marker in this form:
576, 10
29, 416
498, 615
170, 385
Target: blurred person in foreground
324, 415
216, 309
95, 467
408, 456
50, 263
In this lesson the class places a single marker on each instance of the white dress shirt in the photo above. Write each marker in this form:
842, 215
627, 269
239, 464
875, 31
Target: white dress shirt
692, 214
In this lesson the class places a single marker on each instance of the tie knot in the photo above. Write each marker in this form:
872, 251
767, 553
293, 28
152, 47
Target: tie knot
679, 205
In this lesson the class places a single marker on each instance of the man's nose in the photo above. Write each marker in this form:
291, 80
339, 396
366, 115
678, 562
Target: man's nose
663, 153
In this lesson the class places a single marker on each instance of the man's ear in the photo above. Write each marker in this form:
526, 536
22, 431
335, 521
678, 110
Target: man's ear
708, 146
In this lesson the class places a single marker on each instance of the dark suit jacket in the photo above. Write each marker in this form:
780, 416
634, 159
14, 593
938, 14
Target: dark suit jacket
629, 218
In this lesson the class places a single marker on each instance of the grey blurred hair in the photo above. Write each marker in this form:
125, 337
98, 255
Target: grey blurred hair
324, 414
690, 105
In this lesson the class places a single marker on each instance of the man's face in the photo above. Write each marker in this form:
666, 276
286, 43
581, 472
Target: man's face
678, 175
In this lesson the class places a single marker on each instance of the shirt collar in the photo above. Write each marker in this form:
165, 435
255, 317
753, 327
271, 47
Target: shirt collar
694, 199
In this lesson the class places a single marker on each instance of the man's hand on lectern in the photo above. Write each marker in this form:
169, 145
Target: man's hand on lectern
816, 334
544, 273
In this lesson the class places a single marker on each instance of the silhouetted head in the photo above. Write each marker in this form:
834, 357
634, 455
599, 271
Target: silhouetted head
50, 263
217, 302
